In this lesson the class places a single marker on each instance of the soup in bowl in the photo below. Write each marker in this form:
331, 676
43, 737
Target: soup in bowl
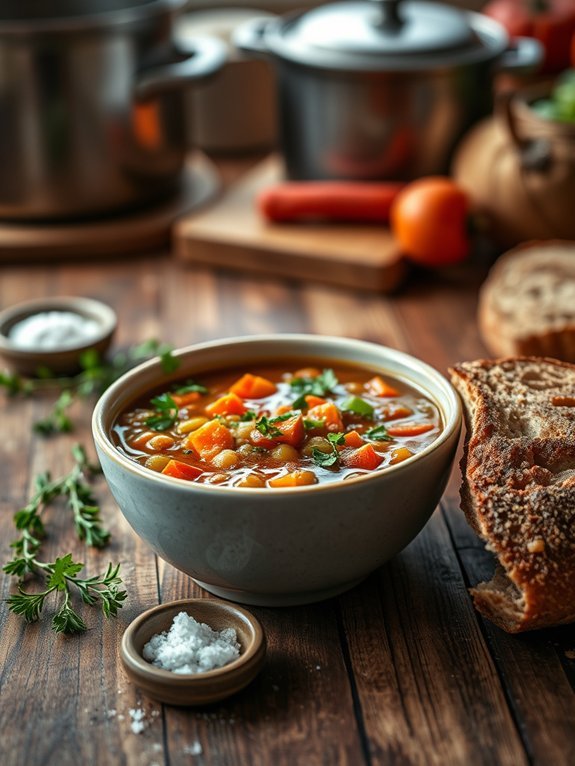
278, 470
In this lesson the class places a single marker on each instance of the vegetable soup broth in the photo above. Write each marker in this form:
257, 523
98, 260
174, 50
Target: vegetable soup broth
278, 426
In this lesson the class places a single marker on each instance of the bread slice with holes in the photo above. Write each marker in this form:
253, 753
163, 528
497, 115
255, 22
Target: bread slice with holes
527, 303
518, 489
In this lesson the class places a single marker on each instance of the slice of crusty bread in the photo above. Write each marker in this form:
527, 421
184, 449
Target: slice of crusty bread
527, 303
518, 490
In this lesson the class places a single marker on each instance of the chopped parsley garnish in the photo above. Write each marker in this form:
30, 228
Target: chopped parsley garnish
309, 424
165, 415
266, 427
319, 386
328, 459
247, 416
358, 406
378, 434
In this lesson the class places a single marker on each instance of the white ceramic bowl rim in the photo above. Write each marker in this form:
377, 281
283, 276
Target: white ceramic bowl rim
103, 314
452, 418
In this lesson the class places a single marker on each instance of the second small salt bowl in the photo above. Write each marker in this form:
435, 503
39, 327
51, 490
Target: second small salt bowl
198, 688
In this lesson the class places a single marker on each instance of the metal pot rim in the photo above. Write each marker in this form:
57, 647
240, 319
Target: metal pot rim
492, 43
90, 22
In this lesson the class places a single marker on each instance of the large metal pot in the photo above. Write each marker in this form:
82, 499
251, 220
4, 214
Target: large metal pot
91, 108
381, 89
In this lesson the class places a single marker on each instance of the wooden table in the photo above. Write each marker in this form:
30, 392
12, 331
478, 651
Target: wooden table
400, 670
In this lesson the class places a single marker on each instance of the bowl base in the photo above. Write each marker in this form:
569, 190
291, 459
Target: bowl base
278, 599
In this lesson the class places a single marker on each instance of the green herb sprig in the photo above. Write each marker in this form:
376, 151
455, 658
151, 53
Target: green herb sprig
95, 376
329, 459
321, 385
60, 575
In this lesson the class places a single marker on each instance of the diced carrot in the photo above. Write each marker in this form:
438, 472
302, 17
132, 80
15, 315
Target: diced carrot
395, 411
253, 387
292, 432
329, 413
362, 457
209, 439
353, 439
294, 479
313, 401
399, 455
377, 386
180, 470
409, 429
183, 400
228, 404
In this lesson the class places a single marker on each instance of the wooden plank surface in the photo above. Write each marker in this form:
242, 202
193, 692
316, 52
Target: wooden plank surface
231, 234
400, 670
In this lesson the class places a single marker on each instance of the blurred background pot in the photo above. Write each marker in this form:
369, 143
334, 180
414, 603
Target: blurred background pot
519, 169
92, 106
235, 112
381, 89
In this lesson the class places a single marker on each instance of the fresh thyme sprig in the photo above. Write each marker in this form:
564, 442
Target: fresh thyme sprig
95, 376
61, 574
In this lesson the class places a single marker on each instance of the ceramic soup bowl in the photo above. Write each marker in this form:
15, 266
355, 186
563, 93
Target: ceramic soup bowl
281, 546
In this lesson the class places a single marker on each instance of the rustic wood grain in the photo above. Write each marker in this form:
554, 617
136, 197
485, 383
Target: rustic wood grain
400, 670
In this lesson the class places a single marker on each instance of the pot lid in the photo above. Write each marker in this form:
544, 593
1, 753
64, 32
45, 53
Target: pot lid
378, 34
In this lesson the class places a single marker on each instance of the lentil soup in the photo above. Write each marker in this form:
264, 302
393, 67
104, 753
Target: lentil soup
272, 427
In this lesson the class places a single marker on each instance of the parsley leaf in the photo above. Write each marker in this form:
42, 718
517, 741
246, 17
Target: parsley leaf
319, 386
166, 413
324, 459
310, 423
62, 568
358, 406
328, 459
378, 434
265, 426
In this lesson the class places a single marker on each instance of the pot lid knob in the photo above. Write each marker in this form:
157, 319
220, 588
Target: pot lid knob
383, 27
414, 27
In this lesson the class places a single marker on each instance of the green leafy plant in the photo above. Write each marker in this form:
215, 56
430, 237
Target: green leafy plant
61, 575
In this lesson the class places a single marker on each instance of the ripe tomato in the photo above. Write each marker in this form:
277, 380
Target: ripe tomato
429, 220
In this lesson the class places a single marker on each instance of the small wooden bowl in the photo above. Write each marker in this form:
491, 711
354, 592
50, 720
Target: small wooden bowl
199, 688
63, 360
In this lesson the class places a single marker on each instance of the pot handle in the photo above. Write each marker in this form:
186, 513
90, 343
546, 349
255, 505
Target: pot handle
204, 57
249, 36
523, 56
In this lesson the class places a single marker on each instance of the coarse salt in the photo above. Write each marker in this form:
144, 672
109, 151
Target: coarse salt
192, 647
52, 330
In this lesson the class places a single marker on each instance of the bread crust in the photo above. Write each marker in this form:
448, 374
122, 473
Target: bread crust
527, 303
518, 490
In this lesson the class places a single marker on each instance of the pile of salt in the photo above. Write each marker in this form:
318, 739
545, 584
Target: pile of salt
192, 647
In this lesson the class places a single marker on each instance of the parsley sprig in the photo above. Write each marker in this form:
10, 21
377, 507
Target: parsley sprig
329, 459
61, 575
165, 413
319, 386
267, 426
95, 376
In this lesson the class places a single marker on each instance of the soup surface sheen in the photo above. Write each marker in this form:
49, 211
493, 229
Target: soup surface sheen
276, 427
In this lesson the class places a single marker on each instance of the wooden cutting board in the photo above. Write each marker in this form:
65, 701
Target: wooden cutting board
231, 234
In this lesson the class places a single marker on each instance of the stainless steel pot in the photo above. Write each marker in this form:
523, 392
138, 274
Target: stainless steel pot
91, 108
381, 89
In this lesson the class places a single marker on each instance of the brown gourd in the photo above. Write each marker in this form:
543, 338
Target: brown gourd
519, 170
